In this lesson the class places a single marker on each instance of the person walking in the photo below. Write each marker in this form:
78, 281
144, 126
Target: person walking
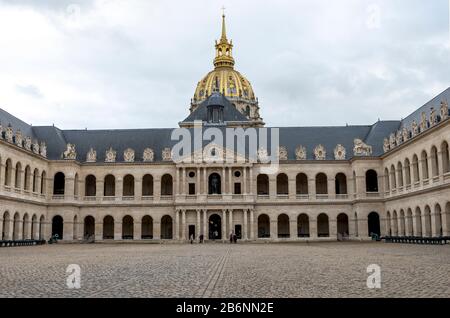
201, 238
231, 237
192, 238
234, 238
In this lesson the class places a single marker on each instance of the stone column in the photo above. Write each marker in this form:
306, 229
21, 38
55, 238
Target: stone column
176, 226
363, 227
1, 224
157, 229
137, 230
27, 234
313, 228
272, 187
293, 229
244, 232
224, 225
197, 186
68, 230
252, 182
2, 175
223, 179
157, 188
99, 189
230, 181
415, 225
352, 226
205, 224
118, 230
244, 180
230, 219
38, 184
99, 231
292, 190
8, 230
198, 230
183, 225
119, 190
177, 182
445, 222
138, 188
312, 188
331, 185
274, 229
332, 223
205, 181
183, 185
36, 230
69, 189
252, 225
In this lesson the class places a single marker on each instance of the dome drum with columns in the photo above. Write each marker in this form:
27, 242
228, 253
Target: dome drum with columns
229, 82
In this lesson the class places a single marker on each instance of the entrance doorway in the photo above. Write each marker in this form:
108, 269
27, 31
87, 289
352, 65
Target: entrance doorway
215, 227
238, 231
191, 230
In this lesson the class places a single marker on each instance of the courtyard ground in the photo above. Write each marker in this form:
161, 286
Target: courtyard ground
224, 270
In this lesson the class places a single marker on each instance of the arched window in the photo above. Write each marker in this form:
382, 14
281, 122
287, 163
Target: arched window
8, 172
147, 228
282, 184
59, 183
434, 162
90, 186
214, 184
27, 178
400, 174
303, 225
393, 179
321, 184
373, 220
263, 226
166, 227
445, 157
407, 172
57, 226
109, 186
89, 228
262, 184
166, 185
301, 182
128, 186
323, 228
127, 228
415, 163
418, 217
424, 158
18, 180
386, 180
342, 226
371, 181
108, 228
283, 226
147, 185
341, 183
43, 182
75, 185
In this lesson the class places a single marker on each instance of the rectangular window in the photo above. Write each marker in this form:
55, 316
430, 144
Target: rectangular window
237, 188
191, 188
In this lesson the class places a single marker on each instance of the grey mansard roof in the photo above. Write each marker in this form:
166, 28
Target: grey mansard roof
158, 139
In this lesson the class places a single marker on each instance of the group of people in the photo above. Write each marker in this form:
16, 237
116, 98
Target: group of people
201, 238
233, 238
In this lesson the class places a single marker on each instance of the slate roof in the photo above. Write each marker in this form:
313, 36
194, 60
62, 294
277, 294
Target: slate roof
158, 139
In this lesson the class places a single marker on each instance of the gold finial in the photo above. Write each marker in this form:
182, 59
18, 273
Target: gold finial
224, 32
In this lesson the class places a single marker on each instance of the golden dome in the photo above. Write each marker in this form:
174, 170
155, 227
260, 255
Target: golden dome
224, 78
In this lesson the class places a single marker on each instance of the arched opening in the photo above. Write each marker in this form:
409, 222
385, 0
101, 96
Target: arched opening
388, 223
41, 227
393, 179
109, 186
166, 227
16, 227
75, 228
321, 184
75, 185
57, 226
283, 226
166, 185
445, 157
214, 184
434, 162
89, 228
303, 225
373, 221
90, 186
427, 219
127, 228
25, 227
402, 224
394, 223
128, 186
147, 228
6, 226
262, 184
409, 223
341, 183
437, 224
371, 181
147, 185
386, 180
263, 226
34, 227
301, 184
27, 179
355, 220
59, 183
323, 228
17, 181
215, 227
282, 184
400, 174
407, 172
418, 219
415, 163
342, 226
8, 172
424, 158
108, 227
43, 182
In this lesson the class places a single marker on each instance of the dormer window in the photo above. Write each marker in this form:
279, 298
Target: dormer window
215, 114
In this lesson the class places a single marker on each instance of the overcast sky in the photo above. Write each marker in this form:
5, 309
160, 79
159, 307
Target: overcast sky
135, 63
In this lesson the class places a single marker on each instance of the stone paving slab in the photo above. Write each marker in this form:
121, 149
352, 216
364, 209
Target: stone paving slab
224, 270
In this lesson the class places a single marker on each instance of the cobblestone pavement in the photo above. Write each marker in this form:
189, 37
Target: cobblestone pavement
224, 270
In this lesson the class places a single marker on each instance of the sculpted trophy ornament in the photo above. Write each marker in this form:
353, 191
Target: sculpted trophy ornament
405, 134
414, 128
19, 138
320, 152
386, 145
433, 117
27, 143
398, 138
128, 155
423, 122
339, 152
444, 110
167, 154
9, 134
91, 156
263, 156
70, 153
35, 147
300, 153
43, 149
392, 141
361, 149
282, 153
148, 155
110, 155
